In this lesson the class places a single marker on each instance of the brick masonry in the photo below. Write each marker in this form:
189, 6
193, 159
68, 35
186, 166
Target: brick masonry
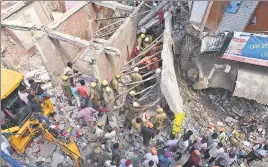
238, 21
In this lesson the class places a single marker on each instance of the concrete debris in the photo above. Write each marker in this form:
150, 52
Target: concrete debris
46, 149
57, 158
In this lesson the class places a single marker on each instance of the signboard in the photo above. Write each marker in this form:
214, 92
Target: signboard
248, 49
232, 7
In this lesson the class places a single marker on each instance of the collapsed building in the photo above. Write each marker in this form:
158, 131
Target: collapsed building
100, 48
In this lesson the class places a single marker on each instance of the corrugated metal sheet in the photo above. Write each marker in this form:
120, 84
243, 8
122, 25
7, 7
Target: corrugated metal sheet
252, 83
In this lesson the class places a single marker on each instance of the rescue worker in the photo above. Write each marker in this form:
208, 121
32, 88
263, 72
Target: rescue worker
130, 98
97, 153
152, 156
140, 41
36, 89
214, 150
94, 95
135, 76
104, 85
66, 86
109, 136
147, 41
194, 159
136, 127
109, 100
147, 133
159, 118
115, 84
70, 71
99, 130
133, 111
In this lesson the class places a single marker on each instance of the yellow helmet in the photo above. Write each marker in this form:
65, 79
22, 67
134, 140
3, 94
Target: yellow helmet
93, 84
142, 35
159, 110
132, 93
117, 76
64, 77
108, 89
104, 82
99, 124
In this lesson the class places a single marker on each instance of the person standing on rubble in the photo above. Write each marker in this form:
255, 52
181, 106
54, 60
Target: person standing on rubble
73, 88
140, 41
146, 117
70, 71
152, 156
136, 127
99, 130
110, 138
97, 153
148, 133
171, 142
214, 150
94, 95
36, 109
135, 76
115, 84
66, 86
82, 90
213, 138
226, 159
165, 159
194, 159
258, 152
200, 144
133, 111
183, 143
86, 114
128, 102
109, 100
116, 154
159, 118
222, 136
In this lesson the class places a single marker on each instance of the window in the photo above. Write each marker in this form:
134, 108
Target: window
232, 7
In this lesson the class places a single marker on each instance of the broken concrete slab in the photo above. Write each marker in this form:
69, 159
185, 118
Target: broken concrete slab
57, 158
46, 149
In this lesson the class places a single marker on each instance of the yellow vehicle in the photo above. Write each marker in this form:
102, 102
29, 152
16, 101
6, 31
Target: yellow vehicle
19, 126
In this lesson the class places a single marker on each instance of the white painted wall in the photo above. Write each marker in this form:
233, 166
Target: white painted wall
198, 11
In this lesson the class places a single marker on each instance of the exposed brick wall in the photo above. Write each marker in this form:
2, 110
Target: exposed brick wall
238, 21
76, 25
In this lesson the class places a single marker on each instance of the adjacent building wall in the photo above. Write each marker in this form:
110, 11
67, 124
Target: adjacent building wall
261, 16
238, 21
198, 11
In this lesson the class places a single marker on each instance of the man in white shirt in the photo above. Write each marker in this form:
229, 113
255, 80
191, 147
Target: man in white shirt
110, 138
109, 163
214, 150
99, 131
152, 156
183, 143
213, 138
200, 144
171, 142
23, 94
258, 152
